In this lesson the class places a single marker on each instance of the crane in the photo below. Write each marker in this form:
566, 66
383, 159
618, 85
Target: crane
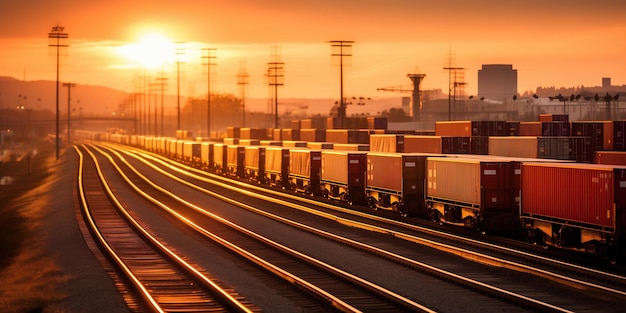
416, 101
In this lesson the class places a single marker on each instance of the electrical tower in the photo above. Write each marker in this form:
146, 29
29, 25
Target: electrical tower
243, 79
162, 82
275, 78
208, 57
456, 80
341, 49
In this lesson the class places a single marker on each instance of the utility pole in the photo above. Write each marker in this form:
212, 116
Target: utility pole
209, 57
243, 79
69, 88
452, 71
179, 51
161, 81
56, 34
341, 49
276, 76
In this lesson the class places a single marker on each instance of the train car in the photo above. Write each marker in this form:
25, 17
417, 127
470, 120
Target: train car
305, 170
191, 152
472, 192
219, 158
277, 166
235, 156
575, 206
343, 176
401, 192
254, 164
351, 147
206, 156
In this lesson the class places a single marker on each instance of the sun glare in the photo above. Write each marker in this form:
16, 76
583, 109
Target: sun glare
151, 51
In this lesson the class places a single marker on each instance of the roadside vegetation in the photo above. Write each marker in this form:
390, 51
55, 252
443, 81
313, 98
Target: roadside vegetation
28, 277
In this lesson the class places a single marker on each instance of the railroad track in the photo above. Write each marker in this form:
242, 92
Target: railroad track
333, 287
577, 276
160, 278
499, 293
612, 290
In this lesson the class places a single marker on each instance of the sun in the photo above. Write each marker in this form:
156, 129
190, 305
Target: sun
151, 51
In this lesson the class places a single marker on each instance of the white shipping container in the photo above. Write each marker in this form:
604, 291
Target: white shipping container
521, 147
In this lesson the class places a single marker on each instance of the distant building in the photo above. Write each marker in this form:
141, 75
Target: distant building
497, 81
606, 82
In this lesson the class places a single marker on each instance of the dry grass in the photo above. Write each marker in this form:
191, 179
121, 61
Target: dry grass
29, 279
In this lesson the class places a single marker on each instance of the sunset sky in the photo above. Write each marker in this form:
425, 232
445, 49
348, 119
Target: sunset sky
550, 43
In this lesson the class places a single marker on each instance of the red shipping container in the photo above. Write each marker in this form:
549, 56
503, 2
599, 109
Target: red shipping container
572, 193
610, 157
532, 129
455, 128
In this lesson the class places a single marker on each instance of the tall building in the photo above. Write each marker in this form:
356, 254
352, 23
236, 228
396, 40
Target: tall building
497, 81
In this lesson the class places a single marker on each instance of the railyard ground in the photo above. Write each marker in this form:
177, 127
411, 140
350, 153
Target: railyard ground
45, 264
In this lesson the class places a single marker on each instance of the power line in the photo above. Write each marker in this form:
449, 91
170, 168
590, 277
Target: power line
341, 49
208, 57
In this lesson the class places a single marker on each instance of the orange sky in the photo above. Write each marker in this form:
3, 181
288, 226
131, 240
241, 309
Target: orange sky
550, 43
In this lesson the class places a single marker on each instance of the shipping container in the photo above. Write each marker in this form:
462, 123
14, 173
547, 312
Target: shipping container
523, 147
532, 129
376, 122
456, 128
249, 142
191, 152
320, 145
555, 129
254, 163
277, 166
577, 206
294, 144
511, 128
387, 143
619, 135
305, 170
295, 124
343, 175
254, 133
600, 133
610, 157
553, 118
276, 143
235, 160
206, 154
219, 158
436, 144
351, 147
289, 134
354, 136
402, 192
472, 192
479, 145
577, 149
233, 132
231, 141
313, 135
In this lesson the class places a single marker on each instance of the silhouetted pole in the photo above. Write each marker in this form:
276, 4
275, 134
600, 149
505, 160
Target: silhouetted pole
242, 81
69, 88
179, 51
341, 45
58, 34
209, 56
276, 75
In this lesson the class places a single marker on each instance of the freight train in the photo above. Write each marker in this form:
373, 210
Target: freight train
550, 202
